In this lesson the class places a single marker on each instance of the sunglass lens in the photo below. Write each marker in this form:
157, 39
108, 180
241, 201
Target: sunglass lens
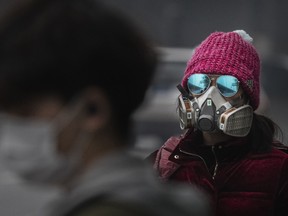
198, 83
227, 85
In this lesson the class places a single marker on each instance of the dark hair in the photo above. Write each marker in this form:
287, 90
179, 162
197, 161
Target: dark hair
263, 133
62, 46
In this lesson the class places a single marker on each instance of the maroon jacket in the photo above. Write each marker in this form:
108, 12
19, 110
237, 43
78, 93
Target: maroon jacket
239, 182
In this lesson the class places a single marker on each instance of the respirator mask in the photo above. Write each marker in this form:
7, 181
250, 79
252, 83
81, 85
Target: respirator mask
205, 107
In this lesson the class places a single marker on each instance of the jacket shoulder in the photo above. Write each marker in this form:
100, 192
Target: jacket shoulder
162, 164
169, 146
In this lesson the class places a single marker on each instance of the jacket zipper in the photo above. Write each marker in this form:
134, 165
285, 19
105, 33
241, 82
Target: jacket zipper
195, 155
216, 163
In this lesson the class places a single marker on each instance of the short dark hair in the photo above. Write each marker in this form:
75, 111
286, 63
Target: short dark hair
62, 46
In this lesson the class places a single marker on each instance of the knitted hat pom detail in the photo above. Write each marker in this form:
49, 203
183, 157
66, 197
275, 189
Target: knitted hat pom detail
244, 35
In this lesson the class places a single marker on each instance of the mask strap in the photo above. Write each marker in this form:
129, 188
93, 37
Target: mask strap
69, 113
184, 92
237, 100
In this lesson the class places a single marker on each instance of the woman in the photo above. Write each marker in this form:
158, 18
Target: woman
227, 150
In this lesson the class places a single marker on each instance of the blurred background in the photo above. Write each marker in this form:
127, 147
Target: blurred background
176, 27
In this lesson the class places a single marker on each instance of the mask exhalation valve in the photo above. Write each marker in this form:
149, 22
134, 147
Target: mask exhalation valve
205, 123
206, 119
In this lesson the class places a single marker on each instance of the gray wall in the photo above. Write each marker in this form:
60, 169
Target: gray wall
187, 22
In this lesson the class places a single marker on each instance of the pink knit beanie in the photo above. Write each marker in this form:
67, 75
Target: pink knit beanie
228, 53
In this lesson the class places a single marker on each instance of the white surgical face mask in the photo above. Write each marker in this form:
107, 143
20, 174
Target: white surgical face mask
28, 148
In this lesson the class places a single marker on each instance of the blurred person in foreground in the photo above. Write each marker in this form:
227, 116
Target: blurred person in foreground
71, 74
227, 149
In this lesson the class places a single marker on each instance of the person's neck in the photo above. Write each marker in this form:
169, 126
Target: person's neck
211, 139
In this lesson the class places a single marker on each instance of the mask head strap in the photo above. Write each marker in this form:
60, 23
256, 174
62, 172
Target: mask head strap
184, 92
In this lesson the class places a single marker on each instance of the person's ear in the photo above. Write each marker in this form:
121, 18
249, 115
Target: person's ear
97, 109
92, 109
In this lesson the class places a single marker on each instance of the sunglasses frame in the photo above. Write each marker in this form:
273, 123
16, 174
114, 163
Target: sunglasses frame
213, 78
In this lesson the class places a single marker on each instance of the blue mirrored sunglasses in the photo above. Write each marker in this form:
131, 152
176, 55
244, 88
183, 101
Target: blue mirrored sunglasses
227, 85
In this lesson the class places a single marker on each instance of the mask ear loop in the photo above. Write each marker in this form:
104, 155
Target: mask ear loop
70, 112
76, 109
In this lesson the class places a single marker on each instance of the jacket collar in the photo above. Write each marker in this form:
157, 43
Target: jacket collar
192, 144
